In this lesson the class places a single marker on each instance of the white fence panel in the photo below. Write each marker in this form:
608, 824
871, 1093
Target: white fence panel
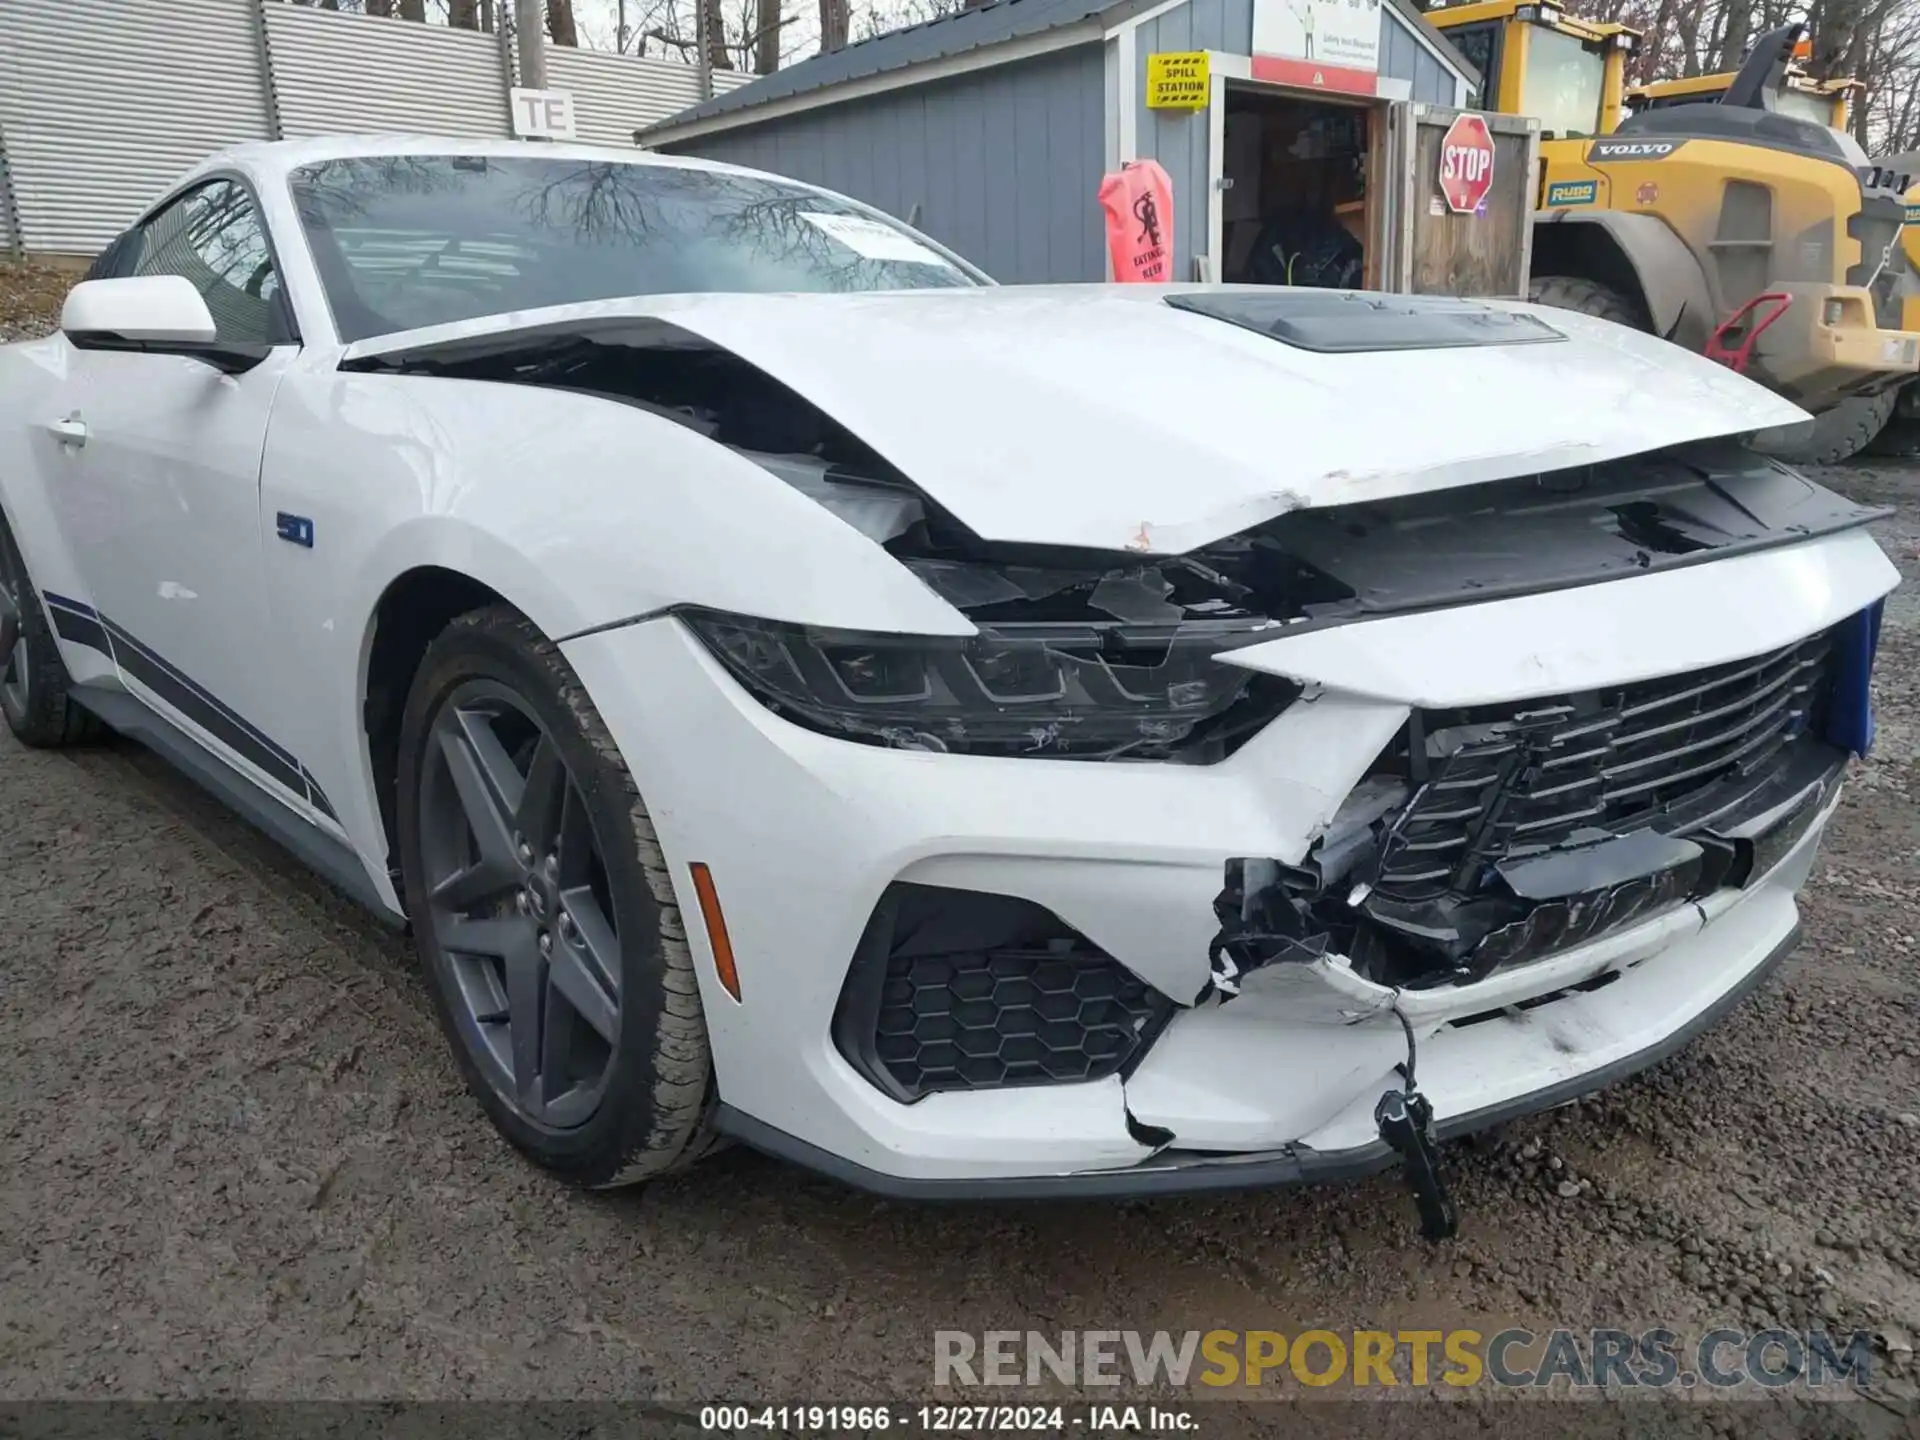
339, 73
104, 103
615, 95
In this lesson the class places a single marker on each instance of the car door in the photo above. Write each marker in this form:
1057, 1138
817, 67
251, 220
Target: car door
167, 452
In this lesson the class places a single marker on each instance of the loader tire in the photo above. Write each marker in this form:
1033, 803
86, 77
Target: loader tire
1900, 440
1589, 297
1835, 435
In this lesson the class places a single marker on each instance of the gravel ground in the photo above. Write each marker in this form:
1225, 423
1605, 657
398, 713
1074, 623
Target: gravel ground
239, 1162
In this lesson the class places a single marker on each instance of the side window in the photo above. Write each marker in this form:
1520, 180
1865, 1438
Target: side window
212, 237
1480, 43
117, 259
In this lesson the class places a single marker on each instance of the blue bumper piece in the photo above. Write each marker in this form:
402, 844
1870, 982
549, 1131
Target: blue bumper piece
1850, 714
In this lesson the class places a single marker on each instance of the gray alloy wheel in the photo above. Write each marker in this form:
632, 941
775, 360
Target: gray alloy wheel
545, 912
521, 907
16, 675
33, 678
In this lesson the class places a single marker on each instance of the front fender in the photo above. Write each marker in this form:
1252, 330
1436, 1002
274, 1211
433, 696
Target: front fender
582, 512
1667, 275
586, 511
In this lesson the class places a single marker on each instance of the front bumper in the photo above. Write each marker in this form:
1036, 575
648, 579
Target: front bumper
803, 833
1198, 1172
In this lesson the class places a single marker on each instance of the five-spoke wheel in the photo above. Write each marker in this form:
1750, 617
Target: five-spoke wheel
544, 909
520, 904
34, 684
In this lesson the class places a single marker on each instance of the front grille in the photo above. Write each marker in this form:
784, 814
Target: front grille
961, 990
1508, 781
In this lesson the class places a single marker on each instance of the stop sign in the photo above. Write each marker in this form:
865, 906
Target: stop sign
1466, 163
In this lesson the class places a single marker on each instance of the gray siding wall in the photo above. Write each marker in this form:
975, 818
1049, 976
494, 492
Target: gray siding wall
1005, 164
1178, 140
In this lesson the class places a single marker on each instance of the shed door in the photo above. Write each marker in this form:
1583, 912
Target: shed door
1485, 253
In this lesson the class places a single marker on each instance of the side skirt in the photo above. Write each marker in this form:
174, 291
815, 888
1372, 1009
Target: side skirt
332, 859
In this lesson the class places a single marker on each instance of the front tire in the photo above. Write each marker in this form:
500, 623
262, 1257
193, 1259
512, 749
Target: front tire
1900, 439
1837, 434
34, 685
1589, 297
542, 907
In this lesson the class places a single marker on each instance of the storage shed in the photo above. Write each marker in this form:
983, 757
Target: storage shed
1284, 125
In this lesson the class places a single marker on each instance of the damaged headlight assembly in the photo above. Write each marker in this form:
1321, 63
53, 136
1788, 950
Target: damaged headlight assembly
1094, 690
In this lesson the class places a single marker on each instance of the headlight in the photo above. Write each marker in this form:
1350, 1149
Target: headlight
1063, 691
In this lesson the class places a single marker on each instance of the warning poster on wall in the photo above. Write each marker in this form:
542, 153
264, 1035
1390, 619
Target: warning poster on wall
1326, 44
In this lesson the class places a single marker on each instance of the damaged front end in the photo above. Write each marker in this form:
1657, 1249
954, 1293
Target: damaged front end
1493, 837
1488, 839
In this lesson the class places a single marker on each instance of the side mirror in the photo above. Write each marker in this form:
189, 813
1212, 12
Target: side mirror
153, 309
153, 315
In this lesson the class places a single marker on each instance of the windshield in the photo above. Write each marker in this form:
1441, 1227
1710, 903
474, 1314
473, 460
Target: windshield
404, 241
1802, 106
1563, 85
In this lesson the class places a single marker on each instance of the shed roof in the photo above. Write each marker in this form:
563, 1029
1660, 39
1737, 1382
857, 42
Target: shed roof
991, 24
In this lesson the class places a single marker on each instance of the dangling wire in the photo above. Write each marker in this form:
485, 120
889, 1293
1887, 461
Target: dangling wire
1413, 1048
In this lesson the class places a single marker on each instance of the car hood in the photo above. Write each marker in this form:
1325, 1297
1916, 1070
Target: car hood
1105, 416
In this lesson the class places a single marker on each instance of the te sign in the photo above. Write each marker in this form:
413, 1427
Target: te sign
1466, 163
542, 114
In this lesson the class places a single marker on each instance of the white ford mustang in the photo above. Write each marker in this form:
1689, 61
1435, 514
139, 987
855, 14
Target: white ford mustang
969, 740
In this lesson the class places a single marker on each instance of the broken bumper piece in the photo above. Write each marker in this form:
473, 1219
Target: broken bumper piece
1190, 1172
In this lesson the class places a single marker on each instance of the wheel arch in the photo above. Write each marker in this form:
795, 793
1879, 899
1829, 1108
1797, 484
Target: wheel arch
415, 608
1637, 255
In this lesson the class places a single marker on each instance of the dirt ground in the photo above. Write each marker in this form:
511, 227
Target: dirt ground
238, 1162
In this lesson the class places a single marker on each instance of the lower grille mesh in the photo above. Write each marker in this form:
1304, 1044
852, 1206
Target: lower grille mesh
964, 990
1509, 781
1010, 1017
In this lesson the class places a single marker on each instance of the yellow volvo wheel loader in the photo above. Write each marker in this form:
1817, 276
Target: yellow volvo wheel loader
1884, 424
1729, 227
1899, 435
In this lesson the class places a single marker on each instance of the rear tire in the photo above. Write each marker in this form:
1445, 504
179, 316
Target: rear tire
34, 685
554, 949
1837, 434
1589, 297
1900, 440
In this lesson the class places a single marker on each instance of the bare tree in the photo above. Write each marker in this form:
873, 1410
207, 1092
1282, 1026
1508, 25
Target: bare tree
718, 53
1876, 42
560, 26
413, 10
766, 37
836, 18
905, 12
463, 14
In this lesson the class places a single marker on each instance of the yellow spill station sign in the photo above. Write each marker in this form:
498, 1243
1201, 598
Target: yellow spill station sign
1178, 80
